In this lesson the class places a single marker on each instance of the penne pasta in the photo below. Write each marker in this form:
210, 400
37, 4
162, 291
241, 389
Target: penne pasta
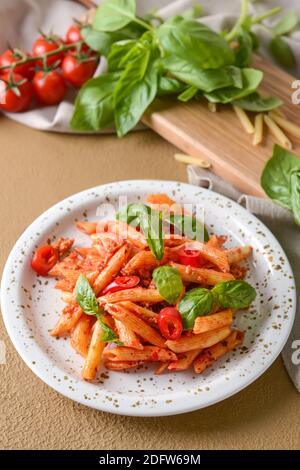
124, 231
143, 312
67, 321
81, 335
112, 268
215, 352
144, 330
87, 227
139, 261
136, 294
121, 365
213, 322
258, 129
236, 255
201, 341
127, 336
161, 368
204, 276
209, 253
149, 353
277, 133
244, 119
285, 124
192, 160
94, 354
185, 361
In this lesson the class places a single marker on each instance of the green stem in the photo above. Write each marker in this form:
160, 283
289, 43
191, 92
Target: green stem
26, 60
240, 21
143, 23
267, 14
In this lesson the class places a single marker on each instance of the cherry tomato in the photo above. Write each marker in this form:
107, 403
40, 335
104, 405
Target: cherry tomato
170, 323
15, 93
76, 71
121, 283
190, 257
43, 45
49, 87
73, 34
44, 259
9, 57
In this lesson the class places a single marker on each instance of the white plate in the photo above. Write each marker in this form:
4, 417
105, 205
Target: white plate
31, 306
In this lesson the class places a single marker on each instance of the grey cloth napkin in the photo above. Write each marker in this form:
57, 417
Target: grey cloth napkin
21, 19
281, 224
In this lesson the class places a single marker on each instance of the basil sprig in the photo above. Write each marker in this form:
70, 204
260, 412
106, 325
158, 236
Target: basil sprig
150, 222
168, 283
148, 57
87, 301
228, 294
189, 226
281, 180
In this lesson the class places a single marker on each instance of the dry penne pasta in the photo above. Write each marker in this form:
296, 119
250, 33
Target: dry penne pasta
81, 335
213, 322
127, 336
285, 124
136, 324
244, 119
258, 129
208, 356
201, 341
149, 353
201, 275
94, 355
184, 361
278, 133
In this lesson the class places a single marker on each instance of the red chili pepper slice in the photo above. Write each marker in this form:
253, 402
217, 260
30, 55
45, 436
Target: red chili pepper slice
190, 257
170, 323
44, 259
121, 283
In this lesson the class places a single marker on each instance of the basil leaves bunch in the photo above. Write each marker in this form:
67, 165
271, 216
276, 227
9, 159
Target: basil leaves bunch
180, 56
281, 180
228, 294
168, 283
87, 301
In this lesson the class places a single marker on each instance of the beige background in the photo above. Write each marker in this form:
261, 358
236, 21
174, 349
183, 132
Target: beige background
37, 170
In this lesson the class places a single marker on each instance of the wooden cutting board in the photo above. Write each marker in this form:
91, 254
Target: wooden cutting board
218, 137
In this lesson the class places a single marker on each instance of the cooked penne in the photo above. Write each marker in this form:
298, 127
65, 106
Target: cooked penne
112, 268
164, 203
161, 368
210, 253
142, 260
94, 354
127, 336
81, 335
143, 312
136, 324
87, 227
121, 365
201, 275
201, 341
67, 321
213, 322
185, 361
124, 231
149, 353
136, 294
208, 356
235, 255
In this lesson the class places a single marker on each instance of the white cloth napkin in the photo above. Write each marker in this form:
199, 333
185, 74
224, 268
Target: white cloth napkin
21, 19
280, 222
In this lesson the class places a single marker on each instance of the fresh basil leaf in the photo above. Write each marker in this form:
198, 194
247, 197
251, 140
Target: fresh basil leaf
169, 86
194, 12
207, 80
251, 80
118, 51
295, 194
194, 43
189, 226
243, 54
257, 103
108, 335
94, 104
233, 294
85, 296
195, 303
282, 52
112, 15
188, 94
135, 90
286, 24
255, 40
275, 179
168, 283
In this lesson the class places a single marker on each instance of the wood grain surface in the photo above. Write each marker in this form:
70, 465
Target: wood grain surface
219, 137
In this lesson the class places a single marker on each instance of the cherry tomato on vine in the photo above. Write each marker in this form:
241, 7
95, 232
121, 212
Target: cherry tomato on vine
77, 71
74, 35
10, 56
121, 283
49, 87
170, 323
46, 44
190, 257
44, 259
15, 93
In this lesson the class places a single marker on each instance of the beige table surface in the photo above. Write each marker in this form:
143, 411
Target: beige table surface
37, 170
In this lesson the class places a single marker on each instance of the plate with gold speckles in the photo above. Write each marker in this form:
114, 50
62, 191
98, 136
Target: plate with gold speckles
30, 308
